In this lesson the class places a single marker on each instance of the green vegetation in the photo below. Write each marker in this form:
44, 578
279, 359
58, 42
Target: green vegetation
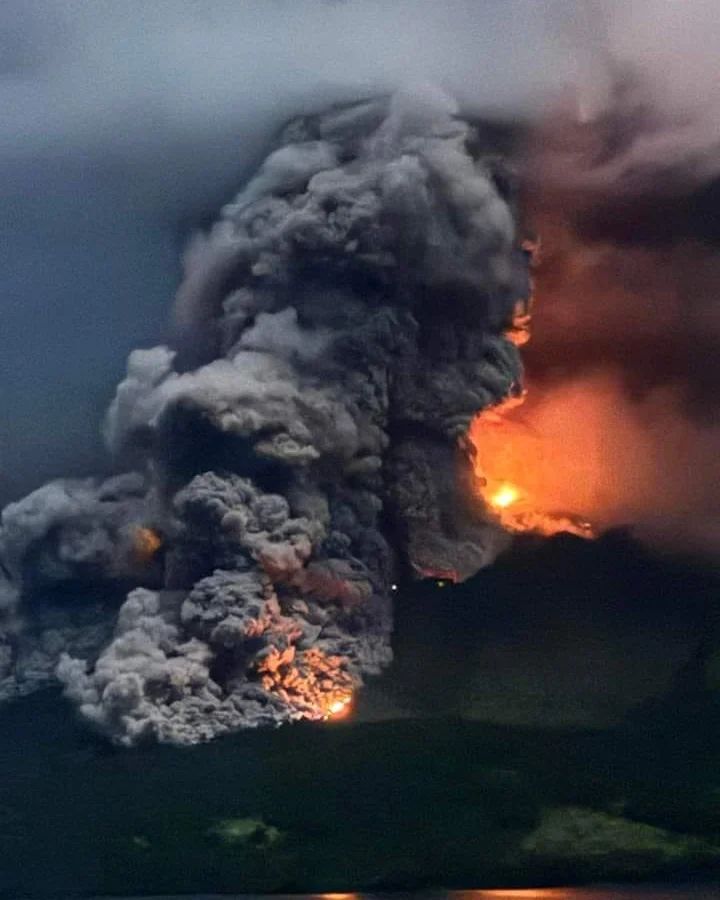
602, 846
246, 833
349, 806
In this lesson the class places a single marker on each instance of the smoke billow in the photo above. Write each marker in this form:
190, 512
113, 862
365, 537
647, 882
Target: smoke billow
340, 326
337, 330
621, 421
586, 448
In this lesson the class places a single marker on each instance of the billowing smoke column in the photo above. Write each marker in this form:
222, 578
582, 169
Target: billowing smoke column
337, 330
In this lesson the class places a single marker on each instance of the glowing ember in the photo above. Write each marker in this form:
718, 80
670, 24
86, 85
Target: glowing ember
504, 496
441, 577
315, 685
519, 329
145, 544
338, 708
520, 483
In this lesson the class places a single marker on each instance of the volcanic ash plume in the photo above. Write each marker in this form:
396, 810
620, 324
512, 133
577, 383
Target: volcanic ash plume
620, 425
337, 330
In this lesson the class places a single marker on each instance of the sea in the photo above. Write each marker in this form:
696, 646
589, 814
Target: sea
600, 892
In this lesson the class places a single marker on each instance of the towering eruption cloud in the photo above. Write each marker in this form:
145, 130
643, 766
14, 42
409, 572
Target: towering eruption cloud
337, 330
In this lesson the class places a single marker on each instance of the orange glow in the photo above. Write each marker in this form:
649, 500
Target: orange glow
315, 685
145, 544
518, 332
514, 464
615, 429
528, 893
518, 471
339, 708
338, 896
504, 496
584, 456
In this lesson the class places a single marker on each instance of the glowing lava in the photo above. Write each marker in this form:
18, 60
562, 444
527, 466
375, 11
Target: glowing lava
517, 480
504, 496
339, 708
515, 474
317, 686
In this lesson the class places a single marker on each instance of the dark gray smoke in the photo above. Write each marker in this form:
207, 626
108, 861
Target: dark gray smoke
337, 330
623, 370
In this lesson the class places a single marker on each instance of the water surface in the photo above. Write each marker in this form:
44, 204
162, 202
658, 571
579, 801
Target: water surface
609, 892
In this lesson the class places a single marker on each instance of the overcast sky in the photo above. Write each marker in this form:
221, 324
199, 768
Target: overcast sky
126, 124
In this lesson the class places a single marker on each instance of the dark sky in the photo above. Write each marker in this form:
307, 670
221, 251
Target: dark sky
127, 125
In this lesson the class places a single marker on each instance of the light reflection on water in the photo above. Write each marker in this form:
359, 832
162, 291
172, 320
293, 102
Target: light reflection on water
594, 893
610, 892
525, 894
